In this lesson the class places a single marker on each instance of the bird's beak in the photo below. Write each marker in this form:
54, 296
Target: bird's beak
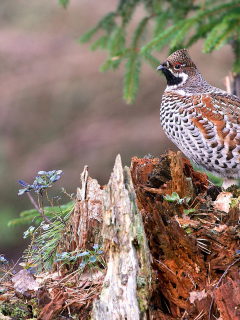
160, 67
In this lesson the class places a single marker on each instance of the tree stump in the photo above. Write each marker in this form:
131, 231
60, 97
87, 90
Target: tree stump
126, 287
187, 256
167, 257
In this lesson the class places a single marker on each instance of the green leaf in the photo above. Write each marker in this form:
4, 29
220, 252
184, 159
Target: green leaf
151, 60
219, 35
202, 30
63, 3
160, 23
131, 78
188, 211
172, 198
100, 43
188, 230
177, 24
175, 195
182, 33
139, 32
126, 9
88, 35
93, 259
83, 254
28, 232
162, 39
27, 216
116, 44
110, 63
108, 23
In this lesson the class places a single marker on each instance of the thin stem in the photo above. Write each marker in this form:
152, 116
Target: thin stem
54, 212
42, 211
10, 270
3, 270
31, 245
34, 203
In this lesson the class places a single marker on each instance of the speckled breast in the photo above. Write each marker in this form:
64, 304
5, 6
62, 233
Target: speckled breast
206, 137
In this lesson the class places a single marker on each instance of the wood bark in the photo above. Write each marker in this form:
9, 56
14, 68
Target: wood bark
86, 220
126, 287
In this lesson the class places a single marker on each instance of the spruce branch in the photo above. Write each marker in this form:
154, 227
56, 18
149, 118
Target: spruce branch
177, 24
151, 60
131, 78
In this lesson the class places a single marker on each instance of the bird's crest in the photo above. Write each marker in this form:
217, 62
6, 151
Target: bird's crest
181, 56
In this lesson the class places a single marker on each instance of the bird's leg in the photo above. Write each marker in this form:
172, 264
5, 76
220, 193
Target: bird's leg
228, 183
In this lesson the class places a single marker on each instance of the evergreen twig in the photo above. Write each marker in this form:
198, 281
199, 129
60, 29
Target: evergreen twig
177, 24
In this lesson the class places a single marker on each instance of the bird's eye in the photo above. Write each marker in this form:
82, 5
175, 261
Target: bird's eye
177, 66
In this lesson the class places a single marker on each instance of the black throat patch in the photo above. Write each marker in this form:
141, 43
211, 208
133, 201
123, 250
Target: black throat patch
171, 79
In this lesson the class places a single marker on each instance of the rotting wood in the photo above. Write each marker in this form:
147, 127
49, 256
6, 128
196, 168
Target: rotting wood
86, 225
54, 307
182, 262
193, 258
126, 288
87, 216
179, 182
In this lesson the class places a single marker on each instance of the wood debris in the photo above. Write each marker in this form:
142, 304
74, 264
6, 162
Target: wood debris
169, 239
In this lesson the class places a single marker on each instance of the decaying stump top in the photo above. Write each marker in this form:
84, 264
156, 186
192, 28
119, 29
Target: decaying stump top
190, 251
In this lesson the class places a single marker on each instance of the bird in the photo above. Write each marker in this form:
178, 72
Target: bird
201, 120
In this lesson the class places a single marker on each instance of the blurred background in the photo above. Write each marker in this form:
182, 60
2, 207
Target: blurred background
57, 111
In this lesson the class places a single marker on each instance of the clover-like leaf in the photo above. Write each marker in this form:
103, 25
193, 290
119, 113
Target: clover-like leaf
82, 264
29, 232
23, 183
95, 247
189, 211
83, 254
43, 180
93, 259
172, 198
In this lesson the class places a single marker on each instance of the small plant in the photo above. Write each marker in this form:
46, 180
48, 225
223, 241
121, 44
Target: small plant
28, 265
5, 270
28, 232
44, 179
187, 211
175, 198
3, 260
44, 238
4, 264
90, 258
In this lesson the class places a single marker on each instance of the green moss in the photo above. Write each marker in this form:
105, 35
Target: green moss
141, 281
234, 202
234, 190
142, 295
16, 309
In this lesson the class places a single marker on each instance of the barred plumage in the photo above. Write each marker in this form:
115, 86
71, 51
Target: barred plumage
203, 121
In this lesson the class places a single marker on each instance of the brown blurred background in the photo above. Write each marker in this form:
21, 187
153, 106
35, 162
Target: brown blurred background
57, 111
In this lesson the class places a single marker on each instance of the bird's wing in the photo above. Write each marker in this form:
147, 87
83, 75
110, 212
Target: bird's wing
219, 112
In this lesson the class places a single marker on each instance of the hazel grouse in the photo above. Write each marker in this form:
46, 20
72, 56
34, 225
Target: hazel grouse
202, 121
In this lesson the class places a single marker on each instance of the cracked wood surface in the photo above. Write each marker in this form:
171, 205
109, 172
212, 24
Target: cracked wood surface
126, 286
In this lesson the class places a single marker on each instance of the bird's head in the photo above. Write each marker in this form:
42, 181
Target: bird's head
177, 68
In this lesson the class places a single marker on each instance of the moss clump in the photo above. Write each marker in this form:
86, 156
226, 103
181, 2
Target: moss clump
16, 309
234, 190
234, 202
